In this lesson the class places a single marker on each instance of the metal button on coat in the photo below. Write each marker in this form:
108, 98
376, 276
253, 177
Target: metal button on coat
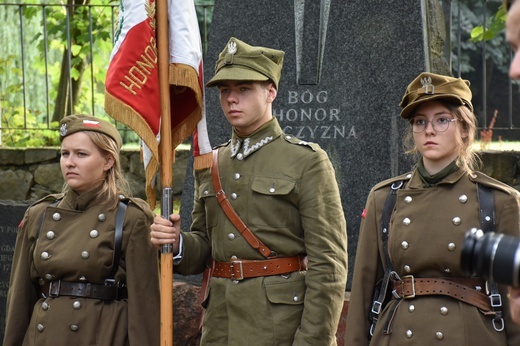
102, 217
409, 334
85, 254
404, 245
463, 198
452, 246
407, 221
82, 278
206, 192
444, 311
236, 176
94, 233
76, 305
74, 327
45, 306
240, 156
45, 256
411, 308
407, 268
447, 270
295, 298
234, 196
56, 216
49, 277
439, 336
50, 235
40, 327
231, 236
272, 190
456, 220
408, 199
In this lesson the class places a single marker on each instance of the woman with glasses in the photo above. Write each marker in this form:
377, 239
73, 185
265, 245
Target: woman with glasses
408, 286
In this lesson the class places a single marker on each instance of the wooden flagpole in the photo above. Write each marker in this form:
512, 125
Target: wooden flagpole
166, 160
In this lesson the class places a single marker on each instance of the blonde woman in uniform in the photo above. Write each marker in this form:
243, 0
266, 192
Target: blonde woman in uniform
430, 299
79, 276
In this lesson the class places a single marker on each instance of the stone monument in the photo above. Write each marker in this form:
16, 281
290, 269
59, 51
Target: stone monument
346, 67
11, 213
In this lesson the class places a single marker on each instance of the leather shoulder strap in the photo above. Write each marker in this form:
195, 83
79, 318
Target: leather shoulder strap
231, 213
378, 303
118, 240
486, 208
487, 223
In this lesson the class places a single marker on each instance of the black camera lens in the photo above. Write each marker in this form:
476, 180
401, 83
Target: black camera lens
493, 256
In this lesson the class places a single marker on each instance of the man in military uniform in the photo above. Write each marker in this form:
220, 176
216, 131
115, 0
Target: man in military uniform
279, 279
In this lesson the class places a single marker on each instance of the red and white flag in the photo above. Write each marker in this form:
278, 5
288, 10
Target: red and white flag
132, 83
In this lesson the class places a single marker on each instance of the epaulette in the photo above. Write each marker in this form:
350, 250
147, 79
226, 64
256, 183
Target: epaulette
138, 202
481, 178
225, 144
297, 141
49, 198
388, 182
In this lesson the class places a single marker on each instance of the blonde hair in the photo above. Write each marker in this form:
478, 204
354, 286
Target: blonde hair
467, 160
114, 183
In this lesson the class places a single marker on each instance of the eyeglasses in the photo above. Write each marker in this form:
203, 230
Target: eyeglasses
439, 124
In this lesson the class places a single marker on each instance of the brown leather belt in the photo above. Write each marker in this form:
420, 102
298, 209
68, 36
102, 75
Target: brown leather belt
243, 269
83, 289
463, 289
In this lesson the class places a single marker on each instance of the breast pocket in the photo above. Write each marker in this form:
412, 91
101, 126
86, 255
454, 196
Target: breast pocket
272, 203
207, 196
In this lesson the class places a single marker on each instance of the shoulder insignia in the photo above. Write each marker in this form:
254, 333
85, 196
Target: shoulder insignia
140, 203
49, 198
388, 182
225, 144
481, 178
295, 140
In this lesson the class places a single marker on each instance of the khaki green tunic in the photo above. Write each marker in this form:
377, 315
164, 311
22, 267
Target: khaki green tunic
78, 237
426, 239
285, 191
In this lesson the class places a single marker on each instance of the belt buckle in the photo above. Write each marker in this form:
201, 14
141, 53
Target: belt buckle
240, 269
412, 280
54, 288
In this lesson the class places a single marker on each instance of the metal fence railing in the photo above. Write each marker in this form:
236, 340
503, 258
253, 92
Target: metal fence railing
484, 63
53, 60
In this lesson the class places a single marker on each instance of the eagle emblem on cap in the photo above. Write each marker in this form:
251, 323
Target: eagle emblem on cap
63, 130
429, 88
232, 48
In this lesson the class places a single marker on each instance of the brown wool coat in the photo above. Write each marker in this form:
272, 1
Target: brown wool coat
33, 320
428, 246
285, 190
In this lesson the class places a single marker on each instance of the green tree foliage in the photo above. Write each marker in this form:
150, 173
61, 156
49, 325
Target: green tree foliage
478, 39
493, 27
40, 81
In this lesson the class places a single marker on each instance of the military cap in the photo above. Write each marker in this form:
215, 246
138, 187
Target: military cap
242, 62
81, 122
429, 86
